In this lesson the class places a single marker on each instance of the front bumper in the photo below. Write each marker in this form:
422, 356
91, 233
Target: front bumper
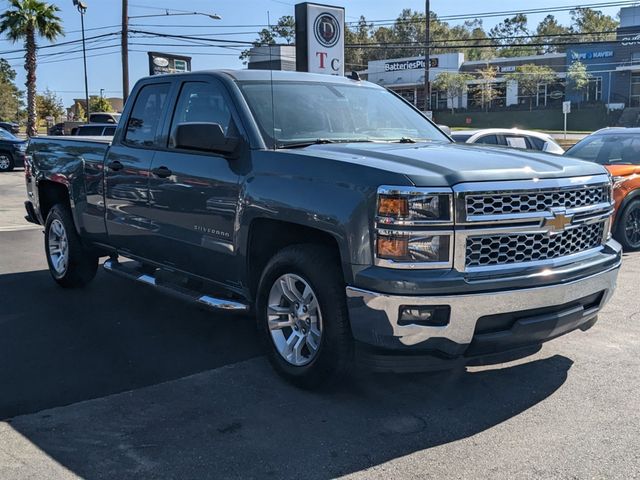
480, 324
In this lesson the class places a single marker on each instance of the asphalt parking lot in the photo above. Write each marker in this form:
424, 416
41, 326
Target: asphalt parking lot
118, 381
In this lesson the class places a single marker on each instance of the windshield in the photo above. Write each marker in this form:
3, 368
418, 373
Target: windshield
618, 149
310, 112
6, 135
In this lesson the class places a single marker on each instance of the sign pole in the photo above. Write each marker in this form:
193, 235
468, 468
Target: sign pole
566, 109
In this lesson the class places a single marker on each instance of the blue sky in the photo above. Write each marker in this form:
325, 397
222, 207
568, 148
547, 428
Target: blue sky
63, 73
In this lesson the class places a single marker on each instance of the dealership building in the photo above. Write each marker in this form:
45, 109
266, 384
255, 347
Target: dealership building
613, 67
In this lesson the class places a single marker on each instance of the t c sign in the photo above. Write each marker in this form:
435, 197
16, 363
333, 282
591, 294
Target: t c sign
319, 38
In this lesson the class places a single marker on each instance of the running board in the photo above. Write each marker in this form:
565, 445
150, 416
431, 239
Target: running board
213, 303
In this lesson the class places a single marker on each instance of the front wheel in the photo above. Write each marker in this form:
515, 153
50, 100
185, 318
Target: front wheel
303, 318
628, 228
6, 162
71, 265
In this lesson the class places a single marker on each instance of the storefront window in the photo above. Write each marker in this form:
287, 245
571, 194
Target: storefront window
477, 94
635, 89
593, 92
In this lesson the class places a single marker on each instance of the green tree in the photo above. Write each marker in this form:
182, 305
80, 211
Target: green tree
48, 104
10, 95
284, 29
25, 20
510, 35
452, 84
99, 104
529, 77
550, 32
578, 77
485, 88
587, 20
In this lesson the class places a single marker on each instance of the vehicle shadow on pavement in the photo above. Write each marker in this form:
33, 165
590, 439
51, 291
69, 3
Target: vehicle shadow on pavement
239, 421
63, 346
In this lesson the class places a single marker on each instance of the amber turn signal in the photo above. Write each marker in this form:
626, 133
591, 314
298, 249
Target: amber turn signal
393, 248
389, 206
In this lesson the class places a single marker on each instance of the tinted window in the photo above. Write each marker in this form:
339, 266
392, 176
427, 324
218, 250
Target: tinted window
90, 131
609, 149
101, 118
537, 143
460, 137
201, 102
7, 135
307, 111
488, 139
144, 120
110, 131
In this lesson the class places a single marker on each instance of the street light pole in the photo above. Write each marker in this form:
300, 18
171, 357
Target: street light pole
82, 8
427, 59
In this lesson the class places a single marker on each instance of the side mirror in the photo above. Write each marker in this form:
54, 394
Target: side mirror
204, 136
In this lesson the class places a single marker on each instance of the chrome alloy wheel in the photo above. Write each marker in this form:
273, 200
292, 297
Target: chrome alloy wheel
58, 247
295, 320
5, 163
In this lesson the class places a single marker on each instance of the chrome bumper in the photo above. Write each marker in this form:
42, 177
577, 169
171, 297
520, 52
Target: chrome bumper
374, 316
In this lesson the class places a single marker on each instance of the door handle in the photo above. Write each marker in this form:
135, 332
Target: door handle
162, 172
115, 165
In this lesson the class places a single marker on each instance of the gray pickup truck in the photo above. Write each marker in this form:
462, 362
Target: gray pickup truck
352, 228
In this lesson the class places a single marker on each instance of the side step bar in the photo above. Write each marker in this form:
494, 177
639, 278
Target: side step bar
218, 304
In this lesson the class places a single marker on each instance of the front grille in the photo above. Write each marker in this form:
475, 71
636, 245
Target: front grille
502, 249
495, 203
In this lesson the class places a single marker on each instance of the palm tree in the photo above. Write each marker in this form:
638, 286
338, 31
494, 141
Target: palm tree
23, 21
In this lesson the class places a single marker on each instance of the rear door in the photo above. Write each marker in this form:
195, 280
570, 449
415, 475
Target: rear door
194, 195
127, 167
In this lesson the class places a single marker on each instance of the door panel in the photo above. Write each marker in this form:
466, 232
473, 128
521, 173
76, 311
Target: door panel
127, 169
194, 195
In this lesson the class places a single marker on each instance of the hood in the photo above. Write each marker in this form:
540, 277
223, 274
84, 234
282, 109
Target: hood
447, 164
8, 141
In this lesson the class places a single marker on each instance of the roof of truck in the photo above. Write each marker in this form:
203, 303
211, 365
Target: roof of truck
278, 75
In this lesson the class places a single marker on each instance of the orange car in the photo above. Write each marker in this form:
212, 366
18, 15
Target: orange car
618, 149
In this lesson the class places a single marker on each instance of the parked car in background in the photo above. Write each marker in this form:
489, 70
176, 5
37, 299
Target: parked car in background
515, 138
618, 149
104, 117
57, 129
11, 151
10, 127
95, 130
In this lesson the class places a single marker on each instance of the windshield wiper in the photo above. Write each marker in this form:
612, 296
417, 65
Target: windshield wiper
406, 140
317, 141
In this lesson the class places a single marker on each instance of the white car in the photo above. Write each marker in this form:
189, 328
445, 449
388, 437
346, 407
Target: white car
514, 138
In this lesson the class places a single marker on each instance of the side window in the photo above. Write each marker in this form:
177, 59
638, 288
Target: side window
145, 117
201, 102
110, 131
536, 143
488, 139
90, 131
517, 142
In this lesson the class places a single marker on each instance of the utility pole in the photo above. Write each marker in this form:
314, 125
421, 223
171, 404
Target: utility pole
82, 9
427, 59
124, 46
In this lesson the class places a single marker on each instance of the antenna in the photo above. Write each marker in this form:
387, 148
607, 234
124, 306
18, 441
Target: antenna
273, 107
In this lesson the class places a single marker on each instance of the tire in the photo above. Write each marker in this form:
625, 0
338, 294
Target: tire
628, 227
317, 267
70, 264
6, 162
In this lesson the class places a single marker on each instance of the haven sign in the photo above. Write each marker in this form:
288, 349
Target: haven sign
319, 38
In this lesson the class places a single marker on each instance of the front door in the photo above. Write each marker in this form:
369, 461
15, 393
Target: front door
193, 195
127, 167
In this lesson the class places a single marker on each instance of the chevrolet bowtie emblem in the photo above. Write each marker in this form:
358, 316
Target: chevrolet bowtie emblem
558, 223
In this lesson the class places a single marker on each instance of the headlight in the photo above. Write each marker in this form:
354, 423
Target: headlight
402, 216
21, 147
415, 206
618, 180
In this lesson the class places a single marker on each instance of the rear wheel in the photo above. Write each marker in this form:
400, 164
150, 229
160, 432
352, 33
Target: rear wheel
6, 162
628, 229
71, 265
302, 315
